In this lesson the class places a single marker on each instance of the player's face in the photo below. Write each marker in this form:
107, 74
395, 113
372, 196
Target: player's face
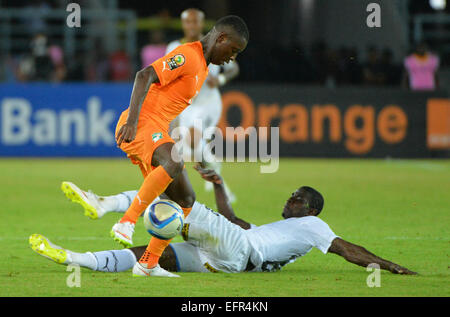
297, 205
192, 24
227, 48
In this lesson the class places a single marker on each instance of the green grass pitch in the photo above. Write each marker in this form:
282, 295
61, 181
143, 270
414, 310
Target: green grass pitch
397, 209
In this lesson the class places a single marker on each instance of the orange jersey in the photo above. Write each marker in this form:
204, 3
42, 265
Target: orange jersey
181, 74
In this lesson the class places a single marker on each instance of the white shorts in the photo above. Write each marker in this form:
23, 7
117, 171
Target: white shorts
206, 107
187, 258
212, 244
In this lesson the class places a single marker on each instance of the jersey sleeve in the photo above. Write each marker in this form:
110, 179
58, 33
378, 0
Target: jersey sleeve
321, 236
179, 62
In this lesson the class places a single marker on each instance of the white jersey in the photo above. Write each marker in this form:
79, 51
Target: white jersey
279, 243
227, 247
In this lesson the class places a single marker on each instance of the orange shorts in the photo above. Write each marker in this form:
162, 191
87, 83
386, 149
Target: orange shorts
149, 136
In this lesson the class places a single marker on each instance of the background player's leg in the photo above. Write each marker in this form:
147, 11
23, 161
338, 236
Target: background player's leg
96, 206
104, 261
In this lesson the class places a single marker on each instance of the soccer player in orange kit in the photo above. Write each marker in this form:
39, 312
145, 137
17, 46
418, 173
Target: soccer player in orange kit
161, 92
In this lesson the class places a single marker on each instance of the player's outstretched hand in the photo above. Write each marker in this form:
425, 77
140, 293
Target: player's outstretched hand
397, 269
126, 133
208, 174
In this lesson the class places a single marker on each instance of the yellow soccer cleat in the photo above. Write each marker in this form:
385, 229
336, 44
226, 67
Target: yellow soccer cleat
88, 200
44, 247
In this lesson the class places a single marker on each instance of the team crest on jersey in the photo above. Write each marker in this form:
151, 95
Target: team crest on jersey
156, 136
176, 61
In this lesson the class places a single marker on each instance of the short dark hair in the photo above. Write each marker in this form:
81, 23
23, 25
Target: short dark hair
315, 198
234, 22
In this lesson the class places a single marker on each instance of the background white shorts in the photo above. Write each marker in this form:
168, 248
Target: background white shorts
206, 107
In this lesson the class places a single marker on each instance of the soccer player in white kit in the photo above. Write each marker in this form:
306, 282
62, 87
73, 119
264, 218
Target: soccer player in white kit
207, 106
222, 242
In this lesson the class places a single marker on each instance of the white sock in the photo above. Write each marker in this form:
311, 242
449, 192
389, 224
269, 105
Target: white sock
83, 259
119, 202
115, 260
125, 199
104, 261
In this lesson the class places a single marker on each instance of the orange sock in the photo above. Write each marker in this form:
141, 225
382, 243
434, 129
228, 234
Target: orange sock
154, 185
154, 251
157, 246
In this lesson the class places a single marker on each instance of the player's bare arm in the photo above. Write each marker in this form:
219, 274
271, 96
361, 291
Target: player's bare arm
360, 256
144, 78
222, 201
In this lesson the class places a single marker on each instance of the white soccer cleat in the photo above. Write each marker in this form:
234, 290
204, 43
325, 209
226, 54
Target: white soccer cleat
44, 247
122, 232
140, 271
90, 201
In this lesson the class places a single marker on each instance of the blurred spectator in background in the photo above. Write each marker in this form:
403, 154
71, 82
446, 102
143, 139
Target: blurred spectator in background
421, 69
349, 68
76, 69
6, 68
43, 66
372, 70
97, 63
391, 73
59, 68
120, 66
38, 65
155, 49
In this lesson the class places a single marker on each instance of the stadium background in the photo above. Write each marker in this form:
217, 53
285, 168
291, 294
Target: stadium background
334, 89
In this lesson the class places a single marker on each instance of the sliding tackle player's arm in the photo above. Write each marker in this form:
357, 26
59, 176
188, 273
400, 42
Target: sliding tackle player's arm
222, 201
144, 78
360, 256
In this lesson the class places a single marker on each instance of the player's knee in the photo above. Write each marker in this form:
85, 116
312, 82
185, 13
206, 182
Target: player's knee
174, 168
169, 157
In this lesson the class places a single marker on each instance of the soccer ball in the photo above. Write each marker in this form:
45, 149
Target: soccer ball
164, 219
